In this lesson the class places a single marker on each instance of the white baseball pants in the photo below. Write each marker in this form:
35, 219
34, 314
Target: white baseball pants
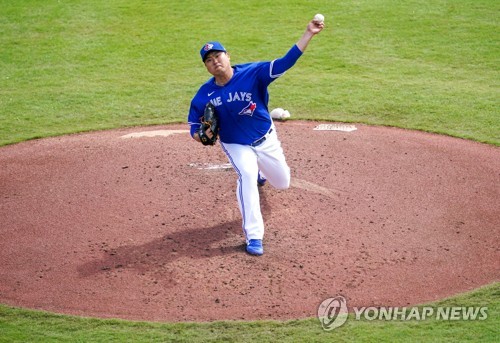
247, 160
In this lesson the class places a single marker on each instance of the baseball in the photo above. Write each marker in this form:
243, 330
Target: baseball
319, 18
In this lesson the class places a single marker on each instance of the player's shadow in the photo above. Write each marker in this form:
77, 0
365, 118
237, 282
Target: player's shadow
265, 206
199, 243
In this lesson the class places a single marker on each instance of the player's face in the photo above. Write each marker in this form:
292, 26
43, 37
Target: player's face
217, 62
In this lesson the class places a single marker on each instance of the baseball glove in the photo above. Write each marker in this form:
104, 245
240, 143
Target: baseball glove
210, 120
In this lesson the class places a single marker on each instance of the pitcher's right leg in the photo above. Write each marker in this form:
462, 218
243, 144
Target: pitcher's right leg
244, 161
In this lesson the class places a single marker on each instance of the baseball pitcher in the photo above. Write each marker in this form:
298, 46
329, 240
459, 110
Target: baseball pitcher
233, 107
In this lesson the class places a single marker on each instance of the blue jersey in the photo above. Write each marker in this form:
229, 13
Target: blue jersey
241, 104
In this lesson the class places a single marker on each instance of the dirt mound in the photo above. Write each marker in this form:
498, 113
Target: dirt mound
114, 224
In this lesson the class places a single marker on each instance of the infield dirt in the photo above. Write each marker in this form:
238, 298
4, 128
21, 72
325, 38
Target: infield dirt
148, 228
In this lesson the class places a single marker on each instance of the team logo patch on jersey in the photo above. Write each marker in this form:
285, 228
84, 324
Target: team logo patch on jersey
248, 109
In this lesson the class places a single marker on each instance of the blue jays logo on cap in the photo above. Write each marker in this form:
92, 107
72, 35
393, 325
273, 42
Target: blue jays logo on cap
211, 46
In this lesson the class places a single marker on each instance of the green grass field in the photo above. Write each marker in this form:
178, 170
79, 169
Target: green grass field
72, 66
18, 325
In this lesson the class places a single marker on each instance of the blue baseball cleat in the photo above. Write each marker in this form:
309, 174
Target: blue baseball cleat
261, 181
254, 247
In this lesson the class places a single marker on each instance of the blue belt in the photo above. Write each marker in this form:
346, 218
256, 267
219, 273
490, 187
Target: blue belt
261, 140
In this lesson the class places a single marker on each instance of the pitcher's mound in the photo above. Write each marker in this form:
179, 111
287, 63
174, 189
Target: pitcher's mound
143, 224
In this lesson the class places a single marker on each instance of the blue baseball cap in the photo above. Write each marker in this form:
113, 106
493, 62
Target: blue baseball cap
211, 46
